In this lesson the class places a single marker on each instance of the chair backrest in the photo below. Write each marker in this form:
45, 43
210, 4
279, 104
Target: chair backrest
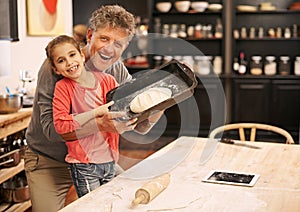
253, 127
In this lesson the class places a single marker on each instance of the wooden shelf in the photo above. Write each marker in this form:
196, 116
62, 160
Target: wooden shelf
6, 173
14, 122
16, 207
10, 124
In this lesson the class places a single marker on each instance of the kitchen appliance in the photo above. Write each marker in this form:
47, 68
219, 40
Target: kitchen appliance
26, 77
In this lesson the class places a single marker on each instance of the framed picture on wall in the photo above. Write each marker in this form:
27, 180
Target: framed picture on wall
46, 17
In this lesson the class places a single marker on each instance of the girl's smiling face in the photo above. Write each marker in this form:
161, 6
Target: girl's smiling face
68, 61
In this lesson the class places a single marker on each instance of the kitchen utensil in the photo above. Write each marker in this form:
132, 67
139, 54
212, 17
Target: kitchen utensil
10, 103
8, 91
151, 189
230, 141
15, 189
173, 75
11, 158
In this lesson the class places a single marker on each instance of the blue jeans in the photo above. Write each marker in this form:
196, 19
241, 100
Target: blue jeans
88, 177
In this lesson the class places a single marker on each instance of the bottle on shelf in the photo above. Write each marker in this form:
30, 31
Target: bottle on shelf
217, 64
219, 29
295, 30
236, 65
157, 25
287, 32
242, 63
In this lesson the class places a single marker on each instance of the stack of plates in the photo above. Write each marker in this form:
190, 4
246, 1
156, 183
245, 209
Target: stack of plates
246, 8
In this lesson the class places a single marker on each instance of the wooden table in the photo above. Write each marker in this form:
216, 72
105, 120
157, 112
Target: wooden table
277, 189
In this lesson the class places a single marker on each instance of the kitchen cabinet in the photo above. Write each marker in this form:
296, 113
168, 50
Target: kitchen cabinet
267, 99
285, 108
274, 101
251, 100
10, 124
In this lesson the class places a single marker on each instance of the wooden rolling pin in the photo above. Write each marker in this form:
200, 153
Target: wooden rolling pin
151, 189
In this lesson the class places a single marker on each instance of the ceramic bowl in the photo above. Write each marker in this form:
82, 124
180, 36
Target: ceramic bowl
163, 7
182, 6
199, 6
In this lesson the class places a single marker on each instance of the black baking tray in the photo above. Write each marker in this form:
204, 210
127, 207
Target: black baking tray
174, 75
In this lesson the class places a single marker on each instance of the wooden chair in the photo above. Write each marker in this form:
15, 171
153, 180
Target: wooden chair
253, 126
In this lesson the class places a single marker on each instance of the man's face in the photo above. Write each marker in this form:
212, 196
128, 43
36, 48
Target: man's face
105, 46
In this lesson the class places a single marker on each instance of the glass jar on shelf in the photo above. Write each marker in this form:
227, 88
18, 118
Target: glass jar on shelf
270, 65
284, 65
256, 65
297, 66
166, 29
191, 31
157, 61
182, 31
174, 31
198, 31
203, 64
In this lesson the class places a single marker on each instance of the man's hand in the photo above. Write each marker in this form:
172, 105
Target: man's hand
109, 123
145, 126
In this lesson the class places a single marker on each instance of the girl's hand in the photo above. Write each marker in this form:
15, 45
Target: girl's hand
103, 109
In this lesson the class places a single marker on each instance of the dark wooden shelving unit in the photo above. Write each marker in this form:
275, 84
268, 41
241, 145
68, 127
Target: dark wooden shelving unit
238, 88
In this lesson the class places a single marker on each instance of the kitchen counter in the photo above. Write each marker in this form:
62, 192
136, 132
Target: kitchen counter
187, 161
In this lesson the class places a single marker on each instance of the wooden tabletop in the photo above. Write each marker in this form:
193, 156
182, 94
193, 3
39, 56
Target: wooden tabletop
277, 189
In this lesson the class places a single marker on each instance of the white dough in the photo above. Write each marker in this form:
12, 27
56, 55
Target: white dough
149, 98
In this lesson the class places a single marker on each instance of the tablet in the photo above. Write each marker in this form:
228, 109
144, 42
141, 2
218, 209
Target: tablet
231, 178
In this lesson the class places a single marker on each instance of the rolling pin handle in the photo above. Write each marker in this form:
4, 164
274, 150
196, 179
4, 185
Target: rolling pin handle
138, 200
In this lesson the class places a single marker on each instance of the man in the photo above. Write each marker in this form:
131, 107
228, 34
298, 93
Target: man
48, 176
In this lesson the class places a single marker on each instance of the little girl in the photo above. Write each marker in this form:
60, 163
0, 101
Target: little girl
79, 97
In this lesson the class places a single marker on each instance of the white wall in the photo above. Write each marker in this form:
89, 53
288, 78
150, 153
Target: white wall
26, 54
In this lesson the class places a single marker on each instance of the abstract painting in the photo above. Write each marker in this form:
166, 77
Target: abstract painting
46, 17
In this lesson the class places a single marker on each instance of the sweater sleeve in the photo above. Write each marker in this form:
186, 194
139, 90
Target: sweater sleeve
62, 103
44, 96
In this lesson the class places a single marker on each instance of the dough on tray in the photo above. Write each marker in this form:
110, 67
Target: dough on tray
149, 98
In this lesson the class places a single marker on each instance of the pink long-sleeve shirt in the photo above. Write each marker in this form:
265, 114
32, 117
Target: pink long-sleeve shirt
70, 99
